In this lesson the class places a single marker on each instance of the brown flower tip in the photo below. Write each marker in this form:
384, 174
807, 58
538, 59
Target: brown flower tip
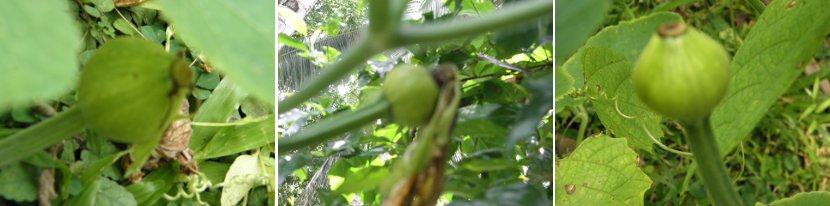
671, 29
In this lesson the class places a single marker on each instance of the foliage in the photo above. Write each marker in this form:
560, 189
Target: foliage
53, 156
332, 15
769, 112
504, 71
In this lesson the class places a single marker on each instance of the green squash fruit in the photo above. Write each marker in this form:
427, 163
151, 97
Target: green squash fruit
682, 73
131, 88
412, 94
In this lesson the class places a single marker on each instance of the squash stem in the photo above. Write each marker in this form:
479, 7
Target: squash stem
711, 168
331, 127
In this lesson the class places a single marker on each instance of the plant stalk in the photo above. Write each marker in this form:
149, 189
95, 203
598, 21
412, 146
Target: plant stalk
349, 61
40, 136
711, 168
507, 17
405, 35
330, 127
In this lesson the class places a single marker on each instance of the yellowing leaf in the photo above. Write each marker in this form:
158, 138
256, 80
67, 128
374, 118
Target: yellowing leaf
293, 19
240, 178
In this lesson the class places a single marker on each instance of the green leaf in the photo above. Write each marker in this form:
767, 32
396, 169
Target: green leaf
287, 164
612, 93
208, 80
236, 37
475, 121
804, 198
40, 44
771, 58
104, 5
636, 34
238, 180
532, 113
219, 107
154, 185
111, 193
293, 19
255, 108
123, 26
22, 115
332, 27
601, 171
564, 83
215, 171
235, 139
292, 42
575, 22
18, 183
92, 11
154, 33
200, 93
364, 179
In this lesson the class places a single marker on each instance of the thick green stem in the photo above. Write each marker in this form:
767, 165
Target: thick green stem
40, 136
405, 35
352, 58
379, 16
330, 127
509, 16
711, 168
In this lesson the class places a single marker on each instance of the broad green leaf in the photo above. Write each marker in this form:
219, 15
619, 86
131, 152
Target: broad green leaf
123, 26
208, 80
218, 108
237, 37
364, 179
239, 179
805, 198
215, 171
601, 171
476, 121
235, 139
40, 44
112, 194
18, 183
611, 91
635, 34
784, 38
575, 22
154, 33
564, 83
